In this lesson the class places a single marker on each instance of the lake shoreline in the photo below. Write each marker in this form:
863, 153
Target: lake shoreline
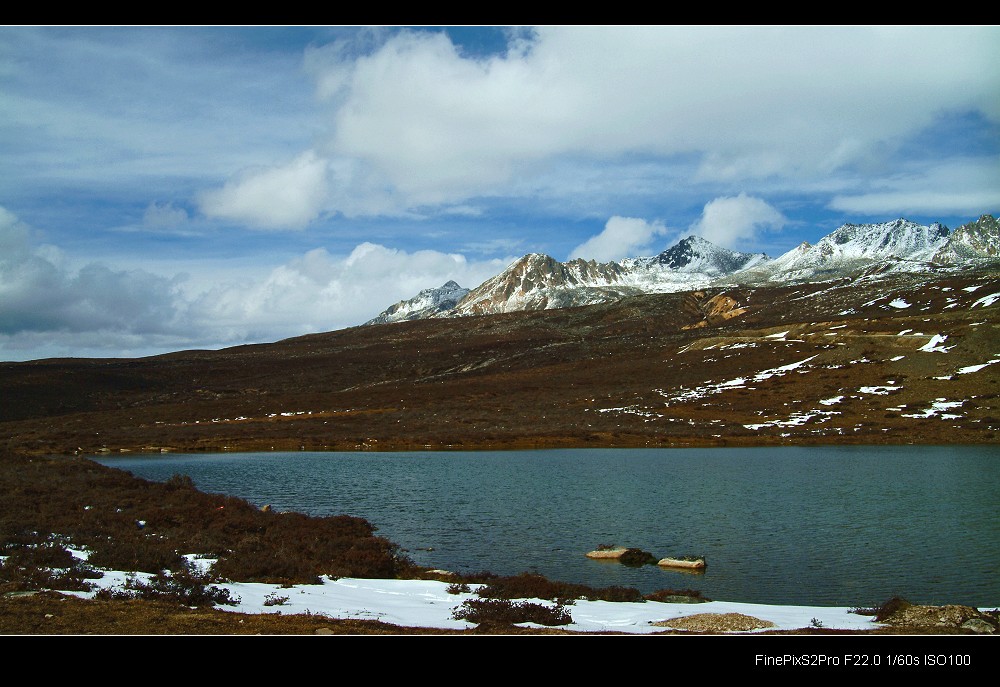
55, 482
390, 446
858, 524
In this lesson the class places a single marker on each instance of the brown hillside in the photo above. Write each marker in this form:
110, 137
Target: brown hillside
838, 361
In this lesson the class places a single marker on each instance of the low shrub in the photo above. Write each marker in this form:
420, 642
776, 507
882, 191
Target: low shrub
458, 588
635, 558
676, 596
17, 577
621, 594
184, 587
136, 552
35, 563
41, 555
507, 612
179, 481
132, 524
533, 586
273, 599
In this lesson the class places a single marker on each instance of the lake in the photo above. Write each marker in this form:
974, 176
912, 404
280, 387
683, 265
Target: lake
835, 525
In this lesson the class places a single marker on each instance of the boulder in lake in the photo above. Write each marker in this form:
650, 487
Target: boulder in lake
686, 562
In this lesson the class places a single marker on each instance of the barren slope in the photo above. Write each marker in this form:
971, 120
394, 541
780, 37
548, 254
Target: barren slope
860, 361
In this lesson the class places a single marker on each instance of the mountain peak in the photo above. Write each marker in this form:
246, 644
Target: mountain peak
976, 241
698, 254
427, 303
537, 281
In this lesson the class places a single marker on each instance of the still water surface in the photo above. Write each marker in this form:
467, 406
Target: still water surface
841, 526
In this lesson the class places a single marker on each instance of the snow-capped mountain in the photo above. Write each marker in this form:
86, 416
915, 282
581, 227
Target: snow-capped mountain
540, 282
697, 255
897, 246
900, 245
973, 242
427, 303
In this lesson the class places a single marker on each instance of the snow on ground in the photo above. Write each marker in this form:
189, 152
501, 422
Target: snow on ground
977, 368
427, 603
798, 418
937, 408
686, 395
878, 390
987, 301
933, 346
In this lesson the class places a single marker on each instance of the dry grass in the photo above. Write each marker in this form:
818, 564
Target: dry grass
717, 622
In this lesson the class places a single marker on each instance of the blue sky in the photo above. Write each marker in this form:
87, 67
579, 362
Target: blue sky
188, 187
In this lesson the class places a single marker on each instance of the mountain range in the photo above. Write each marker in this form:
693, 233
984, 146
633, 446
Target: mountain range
540, 282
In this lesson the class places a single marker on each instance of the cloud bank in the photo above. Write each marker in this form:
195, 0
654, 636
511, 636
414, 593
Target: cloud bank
49, 308
413, 114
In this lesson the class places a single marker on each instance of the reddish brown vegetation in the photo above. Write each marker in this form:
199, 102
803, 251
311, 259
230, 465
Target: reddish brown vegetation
605, 375
133, 524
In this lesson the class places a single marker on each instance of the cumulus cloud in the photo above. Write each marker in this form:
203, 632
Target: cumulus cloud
731, 221
439, 126
320, 291
39, 293
49, 309
622, 237
280, 197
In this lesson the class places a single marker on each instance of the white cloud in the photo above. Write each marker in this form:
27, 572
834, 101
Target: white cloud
49, 309
323, 292
39, 293
137, 107
752, 102
919, 202
283, 197
957, 187
731, 221
622, 237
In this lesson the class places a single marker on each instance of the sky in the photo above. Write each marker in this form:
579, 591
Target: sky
169, 188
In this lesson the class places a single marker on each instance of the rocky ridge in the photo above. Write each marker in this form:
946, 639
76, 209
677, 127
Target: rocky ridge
540, 282
427, 303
